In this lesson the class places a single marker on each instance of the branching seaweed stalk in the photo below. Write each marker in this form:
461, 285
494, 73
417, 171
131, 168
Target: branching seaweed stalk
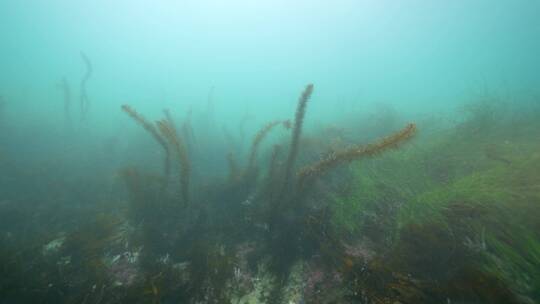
356, 152
233, 167
167, 130
150, 128
297, 130
272, 167
83, 98
263, 132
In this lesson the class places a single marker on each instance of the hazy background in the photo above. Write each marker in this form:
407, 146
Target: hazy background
260, 53
420, 56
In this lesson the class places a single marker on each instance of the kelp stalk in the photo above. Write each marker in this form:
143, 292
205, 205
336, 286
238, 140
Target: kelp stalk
150, 128
263, 132
344, 156
83, 98
167, 130
297, 130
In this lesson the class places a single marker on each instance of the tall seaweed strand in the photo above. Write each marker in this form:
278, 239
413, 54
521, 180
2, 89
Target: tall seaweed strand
273, 168
336, 158
83, 97
263, 132
187, 132
167, 130
150, 128
297, 130
169, 119
233, 167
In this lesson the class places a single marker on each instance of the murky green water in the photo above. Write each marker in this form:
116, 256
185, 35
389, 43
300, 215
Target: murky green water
269, 151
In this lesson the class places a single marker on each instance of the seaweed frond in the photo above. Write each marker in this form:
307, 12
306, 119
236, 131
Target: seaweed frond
83, 98
233, 167
263, 132
150, 128
297, 130
273, 169
274, 159
167, 130
344, 156
169, 119
187, 131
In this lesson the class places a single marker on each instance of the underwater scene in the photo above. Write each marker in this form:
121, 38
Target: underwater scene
270, 151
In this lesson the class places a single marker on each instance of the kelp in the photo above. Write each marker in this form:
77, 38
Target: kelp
263, 132
153, 131
296, 132
207, 225
449, 220
339, 157
168, 131
83, 97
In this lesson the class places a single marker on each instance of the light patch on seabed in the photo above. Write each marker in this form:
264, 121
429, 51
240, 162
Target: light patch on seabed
264, 283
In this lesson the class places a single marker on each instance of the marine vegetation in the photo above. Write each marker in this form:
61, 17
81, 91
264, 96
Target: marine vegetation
449, 215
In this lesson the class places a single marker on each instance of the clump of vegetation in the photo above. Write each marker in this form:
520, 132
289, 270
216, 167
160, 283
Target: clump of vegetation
282, 204
450, 218
458, 219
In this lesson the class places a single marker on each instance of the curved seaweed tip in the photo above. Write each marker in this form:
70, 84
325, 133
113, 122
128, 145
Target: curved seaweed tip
150, 128
167, 130
263, 132
297, 130
145, 124
84, 101
272, 168
336, 158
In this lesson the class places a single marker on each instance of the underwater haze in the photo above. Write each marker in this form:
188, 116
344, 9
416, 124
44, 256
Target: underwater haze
279, 151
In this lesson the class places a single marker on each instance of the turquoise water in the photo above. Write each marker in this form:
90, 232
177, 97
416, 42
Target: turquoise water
467, 73
257, 54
